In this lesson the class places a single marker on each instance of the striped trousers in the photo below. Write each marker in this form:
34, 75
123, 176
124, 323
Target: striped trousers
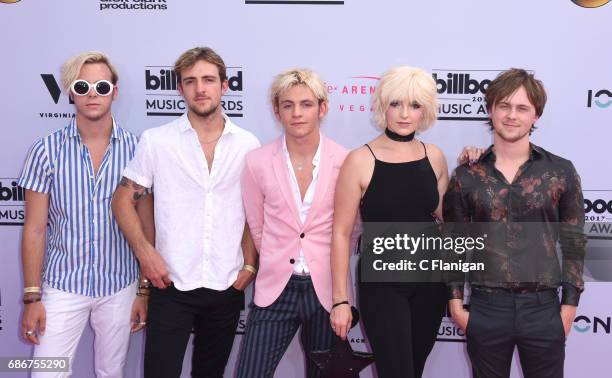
269, 330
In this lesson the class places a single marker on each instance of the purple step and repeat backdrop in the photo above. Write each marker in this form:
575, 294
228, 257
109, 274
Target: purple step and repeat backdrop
350, 43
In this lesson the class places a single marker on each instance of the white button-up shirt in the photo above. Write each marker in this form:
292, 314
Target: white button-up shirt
199, 217
300, 266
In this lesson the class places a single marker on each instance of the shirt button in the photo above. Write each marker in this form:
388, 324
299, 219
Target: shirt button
292, 261
302, 235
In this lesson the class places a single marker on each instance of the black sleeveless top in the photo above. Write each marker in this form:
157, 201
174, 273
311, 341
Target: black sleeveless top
400, 192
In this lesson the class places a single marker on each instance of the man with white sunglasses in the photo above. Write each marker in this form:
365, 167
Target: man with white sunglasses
77, 266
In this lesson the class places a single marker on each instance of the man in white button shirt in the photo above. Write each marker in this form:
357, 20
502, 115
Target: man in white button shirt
197, 267
288, 192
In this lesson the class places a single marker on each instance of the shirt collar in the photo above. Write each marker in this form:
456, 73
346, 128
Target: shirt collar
535, 152
317, 156
73, 130
185, 125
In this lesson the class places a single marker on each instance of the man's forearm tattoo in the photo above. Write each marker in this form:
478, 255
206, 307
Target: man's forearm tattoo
137, 195
138, 191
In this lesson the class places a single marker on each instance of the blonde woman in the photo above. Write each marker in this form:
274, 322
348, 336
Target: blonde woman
393, 178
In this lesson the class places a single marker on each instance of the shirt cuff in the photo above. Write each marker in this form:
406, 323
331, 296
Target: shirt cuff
570, 294
454, 290
138, 179
39, 188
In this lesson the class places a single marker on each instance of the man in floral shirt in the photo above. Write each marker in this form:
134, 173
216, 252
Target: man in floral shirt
525, 199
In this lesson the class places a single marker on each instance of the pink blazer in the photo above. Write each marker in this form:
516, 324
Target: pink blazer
275, 224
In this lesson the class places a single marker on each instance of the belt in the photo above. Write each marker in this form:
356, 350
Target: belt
519, 289
300, 275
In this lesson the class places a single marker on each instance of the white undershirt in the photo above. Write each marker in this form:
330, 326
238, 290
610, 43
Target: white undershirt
300, 266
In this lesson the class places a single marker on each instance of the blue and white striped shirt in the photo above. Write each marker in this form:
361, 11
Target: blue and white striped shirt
86, 252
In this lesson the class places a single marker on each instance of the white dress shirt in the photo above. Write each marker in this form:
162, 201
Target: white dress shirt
300, 266
199, 217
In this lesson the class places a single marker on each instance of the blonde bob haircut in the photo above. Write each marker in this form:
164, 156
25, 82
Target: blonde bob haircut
406, 84
72, 67
297, 76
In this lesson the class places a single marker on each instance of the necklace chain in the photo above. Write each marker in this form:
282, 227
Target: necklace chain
209, 142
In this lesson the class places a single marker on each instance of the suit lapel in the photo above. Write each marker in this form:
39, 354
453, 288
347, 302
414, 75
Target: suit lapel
281, 172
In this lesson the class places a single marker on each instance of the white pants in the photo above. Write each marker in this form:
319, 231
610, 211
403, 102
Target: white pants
67, 315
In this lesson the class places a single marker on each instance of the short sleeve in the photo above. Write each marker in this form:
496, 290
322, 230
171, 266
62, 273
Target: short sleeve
140, 168
36, 174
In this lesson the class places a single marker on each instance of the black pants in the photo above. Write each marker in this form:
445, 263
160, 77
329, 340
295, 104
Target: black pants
172, 314
401, 322
500, 321
270, 330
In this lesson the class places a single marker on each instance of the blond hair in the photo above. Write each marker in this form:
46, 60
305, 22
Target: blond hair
190, 57
408, 84
297, 76
72, 67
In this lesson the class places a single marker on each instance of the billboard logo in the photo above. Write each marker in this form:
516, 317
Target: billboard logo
242, 322
168, 80
460, 83
163, 98
13, 193
597, 205
449, 331
12, 203
462, 93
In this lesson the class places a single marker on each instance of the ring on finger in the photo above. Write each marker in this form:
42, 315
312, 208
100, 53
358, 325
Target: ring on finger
29, 333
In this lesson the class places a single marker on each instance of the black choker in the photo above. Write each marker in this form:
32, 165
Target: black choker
399, 138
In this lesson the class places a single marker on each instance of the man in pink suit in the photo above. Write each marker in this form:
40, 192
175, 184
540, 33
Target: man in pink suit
288, 190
